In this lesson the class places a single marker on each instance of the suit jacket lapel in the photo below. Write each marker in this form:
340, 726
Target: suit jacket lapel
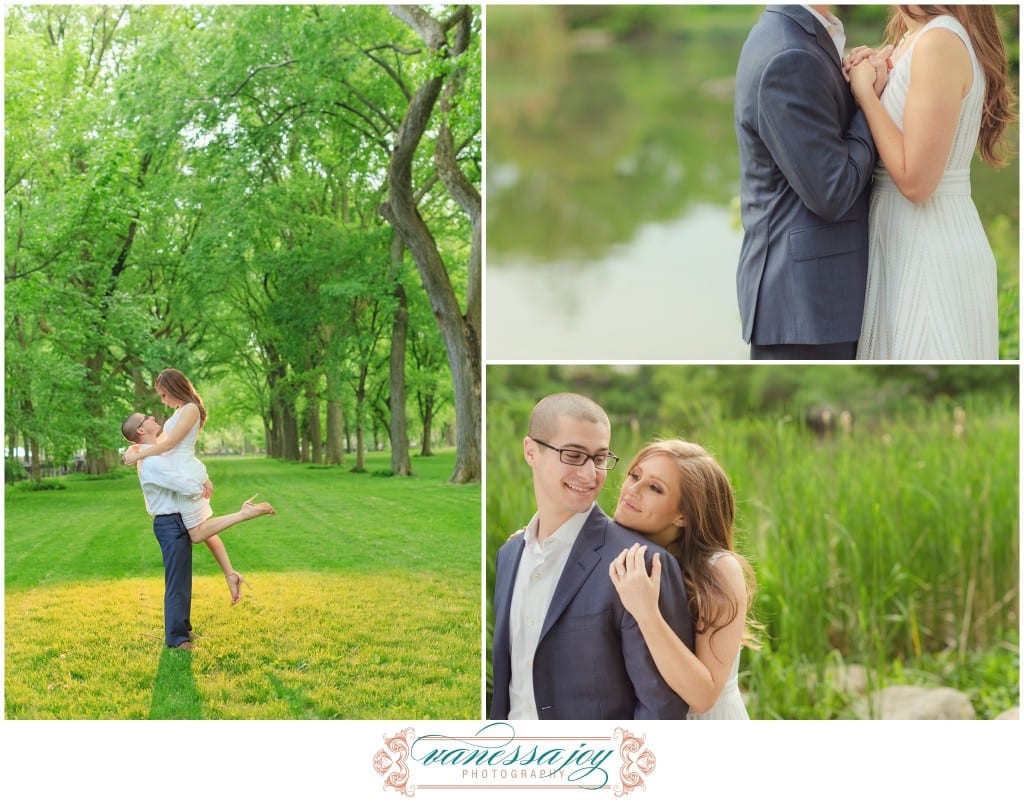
503, 585
806, 20
584, 557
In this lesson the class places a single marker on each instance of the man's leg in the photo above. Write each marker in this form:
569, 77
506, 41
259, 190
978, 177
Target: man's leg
809, 351
176, 549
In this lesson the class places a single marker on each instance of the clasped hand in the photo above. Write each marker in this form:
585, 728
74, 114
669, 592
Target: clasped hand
867, 69
637, 590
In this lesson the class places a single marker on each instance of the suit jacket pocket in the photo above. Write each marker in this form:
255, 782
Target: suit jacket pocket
819, 242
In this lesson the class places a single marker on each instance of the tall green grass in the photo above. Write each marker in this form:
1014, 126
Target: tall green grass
362, 603
894, 547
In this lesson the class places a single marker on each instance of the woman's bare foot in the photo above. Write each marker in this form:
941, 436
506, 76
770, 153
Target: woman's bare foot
235, 581
251, 511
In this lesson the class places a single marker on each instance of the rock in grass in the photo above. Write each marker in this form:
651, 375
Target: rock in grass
911, 702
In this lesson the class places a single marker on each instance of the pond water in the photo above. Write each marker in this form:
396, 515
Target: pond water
611, 225
668, 294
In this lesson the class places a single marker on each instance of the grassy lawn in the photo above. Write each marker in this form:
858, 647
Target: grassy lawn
363, 600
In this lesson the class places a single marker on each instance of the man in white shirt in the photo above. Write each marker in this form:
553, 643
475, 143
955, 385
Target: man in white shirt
564, 646
168, 495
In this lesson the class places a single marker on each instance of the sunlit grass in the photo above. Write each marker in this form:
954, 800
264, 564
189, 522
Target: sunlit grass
300, 646
362, 603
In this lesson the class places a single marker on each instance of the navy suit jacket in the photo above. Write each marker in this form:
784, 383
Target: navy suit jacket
806, 160
591, 660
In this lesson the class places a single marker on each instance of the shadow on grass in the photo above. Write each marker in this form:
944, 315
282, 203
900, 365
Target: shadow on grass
175, 694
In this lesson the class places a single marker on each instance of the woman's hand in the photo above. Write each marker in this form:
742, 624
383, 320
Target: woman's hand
132, 455
638, 591
867, 70
855, 56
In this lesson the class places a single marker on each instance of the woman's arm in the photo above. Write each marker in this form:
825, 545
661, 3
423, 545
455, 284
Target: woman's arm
698, 679
136, 451
940, 75
164, 474
188, 417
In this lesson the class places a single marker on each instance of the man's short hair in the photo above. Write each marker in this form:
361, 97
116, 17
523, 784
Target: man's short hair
545, 415
130, 427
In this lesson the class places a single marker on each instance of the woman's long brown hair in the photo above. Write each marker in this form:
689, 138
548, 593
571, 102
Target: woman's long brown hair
709, 510
173, 381
983, 28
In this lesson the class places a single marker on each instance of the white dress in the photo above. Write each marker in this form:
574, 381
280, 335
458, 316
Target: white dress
186, 463
729, 704
931, 291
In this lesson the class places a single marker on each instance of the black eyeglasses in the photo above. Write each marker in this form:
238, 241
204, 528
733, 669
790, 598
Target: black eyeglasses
574, 457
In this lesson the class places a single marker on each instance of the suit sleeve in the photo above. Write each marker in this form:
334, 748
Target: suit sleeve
501, 659
160, 472
655, 699
799, 122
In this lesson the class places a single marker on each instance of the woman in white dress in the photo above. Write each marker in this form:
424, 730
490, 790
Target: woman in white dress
177, 442
931, 291
677, 495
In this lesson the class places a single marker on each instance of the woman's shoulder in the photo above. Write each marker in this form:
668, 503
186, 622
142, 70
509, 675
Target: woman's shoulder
190, 406
941, 34
189, 410
945, 21
727, 566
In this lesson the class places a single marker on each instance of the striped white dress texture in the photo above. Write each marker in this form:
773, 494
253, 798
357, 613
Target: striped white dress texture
729, 704
931, 291
185, 461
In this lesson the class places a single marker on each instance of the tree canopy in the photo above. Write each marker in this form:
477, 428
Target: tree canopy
213, 188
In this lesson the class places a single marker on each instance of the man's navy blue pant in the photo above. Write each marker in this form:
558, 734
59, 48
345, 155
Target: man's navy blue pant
176, 549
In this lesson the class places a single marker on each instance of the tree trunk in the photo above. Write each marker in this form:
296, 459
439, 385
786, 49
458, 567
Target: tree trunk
35, 460
399, 428
314, 431
461, 333
335, 422
290, 432
98, 460
427, 449
361, 422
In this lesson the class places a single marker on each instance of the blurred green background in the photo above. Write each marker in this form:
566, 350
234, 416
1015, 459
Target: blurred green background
613, 176
893, 546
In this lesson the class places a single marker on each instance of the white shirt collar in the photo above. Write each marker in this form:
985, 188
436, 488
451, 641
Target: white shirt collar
835, 29
566, 534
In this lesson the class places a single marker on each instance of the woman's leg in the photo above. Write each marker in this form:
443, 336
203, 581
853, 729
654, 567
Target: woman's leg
218, 524
220, 554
